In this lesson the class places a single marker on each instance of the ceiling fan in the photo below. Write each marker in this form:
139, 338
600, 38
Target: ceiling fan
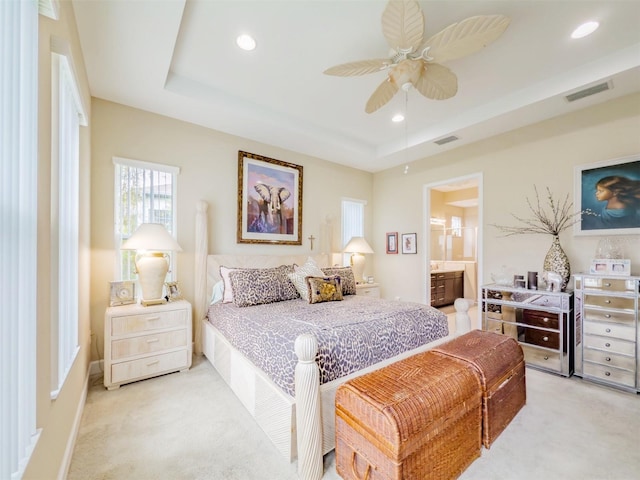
418, 63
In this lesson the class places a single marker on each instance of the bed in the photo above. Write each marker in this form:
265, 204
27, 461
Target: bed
296, 410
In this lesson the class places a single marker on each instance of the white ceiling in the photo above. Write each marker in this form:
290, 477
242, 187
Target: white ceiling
179, 58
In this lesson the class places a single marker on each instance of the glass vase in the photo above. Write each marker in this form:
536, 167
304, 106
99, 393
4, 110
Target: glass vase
557, 261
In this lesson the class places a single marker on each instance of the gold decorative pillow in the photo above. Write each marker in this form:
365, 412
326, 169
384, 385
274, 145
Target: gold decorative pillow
324, 289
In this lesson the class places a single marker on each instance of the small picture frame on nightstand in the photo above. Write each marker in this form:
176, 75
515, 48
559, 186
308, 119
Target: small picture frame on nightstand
122, 293
173, 291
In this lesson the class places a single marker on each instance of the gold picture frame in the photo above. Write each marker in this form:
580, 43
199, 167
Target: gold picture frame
173, 291
269, 200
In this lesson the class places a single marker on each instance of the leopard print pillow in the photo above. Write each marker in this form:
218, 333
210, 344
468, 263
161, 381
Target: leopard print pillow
346, 276
255, 286
324, 289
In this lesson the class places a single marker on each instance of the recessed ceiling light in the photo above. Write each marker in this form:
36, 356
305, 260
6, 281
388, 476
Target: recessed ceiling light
585, 29
246, 42
397, 118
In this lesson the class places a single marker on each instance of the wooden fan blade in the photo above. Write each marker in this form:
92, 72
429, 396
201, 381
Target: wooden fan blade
436, 82
466, 37
362, 67
403, 24
385, 92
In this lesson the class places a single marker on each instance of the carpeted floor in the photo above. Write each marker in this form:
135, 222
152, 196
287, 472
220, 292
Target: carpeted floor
190, 426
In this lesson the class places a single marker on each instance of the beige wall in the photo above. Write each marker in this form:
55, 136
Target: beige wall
209, 163
56, 417
544, 155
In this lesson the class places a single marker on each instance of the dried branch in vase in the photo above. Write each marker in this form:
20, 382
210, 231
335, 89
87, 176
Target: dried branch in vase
550, 219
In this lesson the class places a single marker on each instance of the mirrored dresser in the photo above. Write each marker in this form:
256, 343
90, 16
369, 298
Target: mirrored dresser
607, 334
541, 321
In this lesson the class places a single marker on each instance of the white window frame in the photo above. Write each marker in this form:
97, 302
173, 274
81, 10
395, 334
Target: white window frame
352, 223
18, 243
67, 116
119, 236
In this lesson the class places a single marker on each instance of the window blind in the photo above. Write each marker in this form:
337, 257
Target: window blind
352, 223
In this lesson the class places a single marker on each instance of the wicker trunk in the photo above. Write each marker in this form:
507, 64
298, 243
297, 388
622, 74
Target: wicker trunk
419, 418
500, 364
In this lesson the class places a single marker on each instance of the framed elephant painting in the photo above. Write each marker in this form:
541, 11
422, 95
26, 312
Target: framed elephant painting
269, 200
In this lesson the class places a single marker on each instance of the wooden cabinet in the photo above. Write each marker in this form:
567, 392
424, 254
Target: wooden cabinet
607, 325
446, 287
541, 321
143, 342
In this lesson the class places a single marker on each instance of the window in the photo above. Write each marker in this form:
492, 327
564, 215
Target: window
18, 242
352, 223
67, 117
456, 226
144, 193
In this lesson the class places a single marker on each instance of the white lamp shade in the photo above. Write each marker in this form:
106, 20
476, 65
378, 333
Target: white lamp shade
358, 246
152, 237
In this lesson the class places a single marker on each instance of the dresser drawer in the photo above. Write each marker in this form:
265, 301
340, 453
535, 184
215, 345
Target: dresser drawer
612, 330
542, 338
609, 359
540, 319
609, 374
148, 321
129, 347
542, 358
625, 317
610, 302
149, 366
612, 345
609, 284
492, 325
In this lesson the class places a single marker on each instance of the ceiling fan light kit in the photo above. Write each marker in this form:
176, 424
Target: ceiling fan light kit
414, 62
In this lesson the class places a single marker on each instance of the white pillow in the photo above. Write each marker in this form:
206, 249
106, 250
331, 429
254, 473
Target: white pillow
218, 292
227, 296
309, 269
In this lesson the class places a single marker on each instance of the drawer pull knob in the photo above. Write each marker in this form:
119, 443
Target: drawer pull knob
546, 339
608, 374
153, 340
153, 363
608, 330
607, 345
546, 357
607, 315
607, 301
545, 320
157, 317
607, 284
608, 359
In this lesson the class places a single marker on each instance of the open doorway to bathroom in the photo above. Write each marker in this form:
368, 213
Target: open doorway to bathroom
453, 227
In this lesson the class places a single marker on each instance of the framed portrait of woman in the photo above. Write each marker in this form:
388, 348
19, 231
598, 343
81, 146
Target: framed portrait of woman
608, 194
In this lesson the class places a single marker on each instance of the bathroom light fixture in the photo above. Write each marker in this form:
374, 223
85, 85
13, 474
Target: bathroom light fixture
246, 42
585, 29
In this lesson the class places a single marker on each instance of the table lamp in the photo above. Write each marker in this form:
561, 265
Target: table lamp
358, 246
151, 242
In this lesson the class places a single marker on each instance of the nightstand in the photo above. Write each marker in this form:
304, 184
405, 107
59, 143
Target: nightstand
368, 290
144, 342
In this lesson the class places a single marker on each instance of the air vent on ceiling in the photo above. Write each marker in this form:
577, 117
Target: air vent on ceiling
586, 92
449, 139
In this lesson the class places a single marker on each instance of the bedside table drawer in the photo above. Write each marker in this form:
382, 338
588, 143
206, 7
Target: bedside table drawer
130, 347
148, 321
149, 366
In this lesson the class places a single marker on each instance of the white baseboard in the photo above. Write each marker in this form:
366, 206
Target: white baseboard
96, 367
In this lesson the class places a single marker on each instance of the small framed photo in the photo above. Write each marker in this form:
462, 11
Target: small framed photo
122, 293
392, 242
409, 243
173, 291
611, 266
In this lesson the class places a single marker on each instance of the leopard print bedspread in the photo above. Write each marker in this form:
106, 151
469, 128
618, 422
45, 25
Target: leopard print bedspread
352, 334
